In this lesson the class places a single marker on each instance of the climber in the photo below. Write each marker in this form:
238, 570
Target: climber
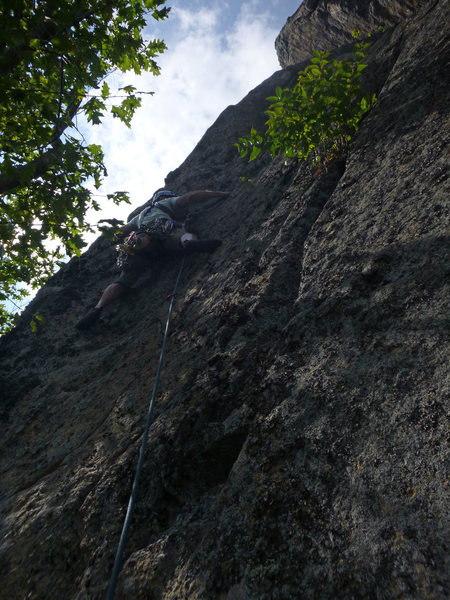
158, 228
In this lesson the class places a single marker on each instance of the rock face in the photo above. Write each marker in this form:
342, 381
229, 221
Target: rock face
298, 447
328, 24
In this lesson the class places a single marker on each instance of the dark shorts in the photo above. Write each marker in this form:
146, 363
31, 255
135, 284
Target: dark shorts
137, 264
134, 267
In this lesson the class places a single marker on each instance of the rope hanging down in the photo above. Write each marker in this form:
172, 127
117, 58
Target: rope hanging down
126, 524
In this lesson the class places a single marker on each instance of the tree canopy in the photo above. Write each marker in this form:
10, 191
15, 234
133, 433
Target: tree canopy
54, 58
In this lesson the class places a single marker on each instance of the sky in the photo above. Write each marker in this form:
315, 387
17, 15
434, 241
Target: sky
218, 50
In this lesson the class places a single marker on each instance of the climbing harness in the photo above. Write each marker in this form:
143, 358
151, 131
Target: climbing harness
158, 230
136, 243
126, 525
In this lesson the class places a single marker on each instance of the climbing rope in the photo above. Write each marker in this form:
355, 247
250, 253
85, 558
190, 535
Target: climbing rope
126, 525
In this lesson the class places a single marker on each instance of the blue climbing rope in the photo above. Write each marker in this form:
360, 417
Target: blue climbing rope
126, 524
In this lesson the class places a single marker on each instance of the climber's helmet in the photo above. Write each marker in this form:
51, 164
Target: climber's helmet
160, 194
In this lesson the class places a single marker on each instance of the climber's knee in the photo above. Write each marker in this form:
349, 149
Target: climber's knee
187, 237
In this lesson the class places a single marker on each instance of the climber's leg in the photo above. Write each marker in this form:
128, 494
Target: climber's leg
111, 293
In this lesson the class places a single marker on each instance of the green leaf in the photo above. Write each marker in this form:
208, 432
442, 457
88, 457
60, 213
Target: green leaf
128, 89
256, 151
105, 90
66, 52
317, 116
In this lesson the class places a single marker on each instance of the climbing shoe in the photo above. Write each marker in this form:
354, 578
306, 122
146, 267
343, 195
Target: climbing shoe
89, 319
201, 246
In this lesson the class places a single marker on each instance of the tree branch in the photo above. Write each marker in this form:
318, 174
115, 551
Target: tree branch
39, 166
36, 167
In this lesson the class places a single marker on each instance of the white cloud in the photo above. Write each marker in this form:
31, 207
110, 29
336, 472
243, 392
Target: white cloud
210, 64
200, 19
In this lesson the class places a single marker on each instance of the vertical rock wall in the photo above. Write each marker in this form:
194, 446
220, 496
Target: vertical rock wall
328, 24
298, 448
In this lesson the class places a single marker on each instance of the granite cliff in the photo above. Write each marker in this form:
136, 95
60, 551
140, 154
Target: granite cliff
328, 24
298, 448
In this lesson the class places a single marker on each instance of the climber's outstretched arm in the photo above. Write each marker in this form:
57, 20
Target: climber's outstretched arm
196, 195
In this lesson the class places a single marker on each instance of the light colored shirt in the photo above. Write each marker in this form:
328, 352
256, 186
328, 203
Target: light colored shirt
148, 215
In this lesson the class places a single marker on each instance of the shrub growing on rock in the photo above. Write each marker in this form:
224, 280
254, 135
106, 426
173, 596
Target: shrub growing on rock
318, 115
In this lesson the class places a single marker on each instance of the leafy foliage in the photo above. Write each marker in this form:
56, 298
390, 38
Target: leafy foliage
36, 322
318, 115
54, 57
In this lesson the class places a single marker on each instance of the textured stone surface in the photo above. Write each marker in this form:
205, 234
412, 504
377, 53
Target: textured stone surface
298, 448
328, 24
